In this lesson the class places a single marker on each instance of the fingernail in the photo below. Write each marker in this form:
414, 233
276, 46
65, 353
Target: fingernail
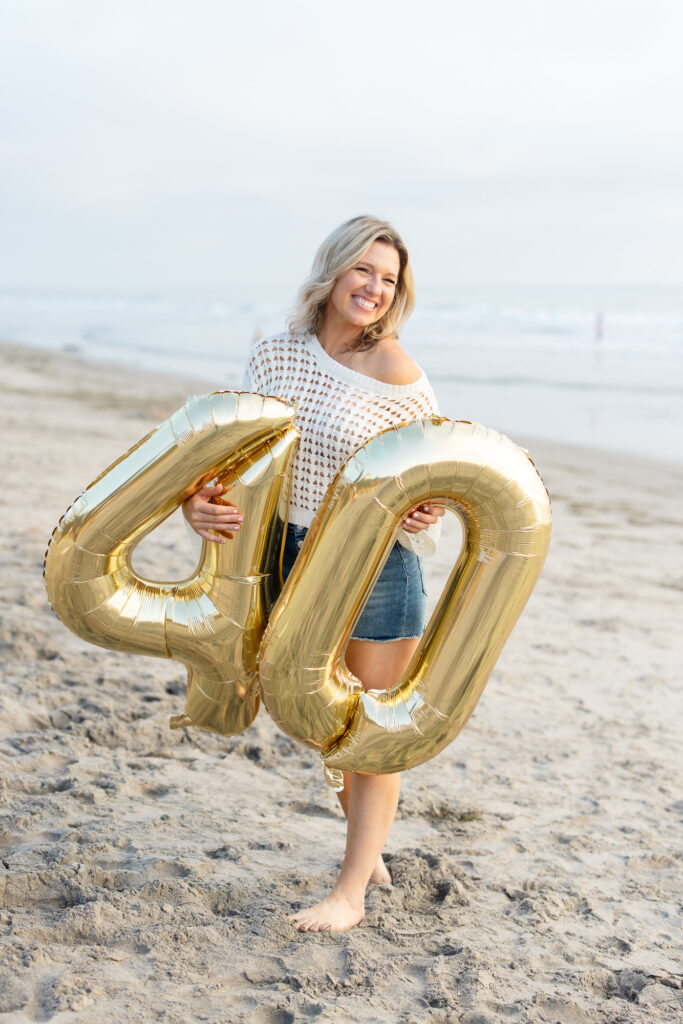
235, 527
241, 518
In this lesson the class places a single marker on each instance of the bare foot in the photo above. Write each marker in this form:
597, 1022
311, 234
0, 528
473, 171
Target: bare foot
380, 875
333, 914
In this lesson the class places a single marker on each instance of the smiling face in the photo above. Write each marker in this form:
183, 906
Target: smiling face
364, 293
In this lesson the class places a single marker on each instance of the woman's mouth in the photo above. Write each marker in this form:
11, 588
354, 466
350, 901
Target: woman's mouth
364, 303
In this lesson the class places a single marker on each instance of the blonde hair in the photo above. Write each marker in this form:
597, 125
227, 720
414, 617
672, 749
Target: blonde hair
340, 251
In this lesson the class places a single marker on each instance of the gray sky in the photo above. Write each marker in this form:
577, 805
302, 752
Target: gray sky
204, 142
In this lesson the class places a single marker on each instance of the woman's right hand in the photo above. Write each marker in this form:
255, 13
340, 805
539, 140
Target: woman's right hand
204, 517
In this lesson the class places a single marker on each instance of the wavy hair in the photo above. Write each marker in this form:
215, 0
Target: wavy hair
340, 251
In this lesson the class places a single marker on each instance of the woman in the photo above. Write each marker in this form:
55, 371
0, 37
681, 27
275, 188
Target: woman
342, 364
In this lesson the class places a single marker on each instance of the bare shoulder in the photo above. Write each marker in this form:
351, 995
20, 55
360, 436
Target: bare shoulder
390, 364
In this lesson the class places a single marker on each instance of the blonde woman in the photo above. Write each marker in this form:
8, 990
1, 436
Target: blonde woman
341, 362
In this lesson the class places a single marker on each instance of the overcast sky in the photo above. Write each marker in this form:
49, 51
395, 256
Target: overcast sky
204, 142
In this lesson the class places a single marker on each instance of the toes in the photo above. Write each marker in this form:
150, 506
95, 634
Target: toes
308, 924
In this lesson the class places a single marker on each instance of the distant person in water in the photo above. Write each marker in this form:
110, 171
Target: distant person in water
599, 331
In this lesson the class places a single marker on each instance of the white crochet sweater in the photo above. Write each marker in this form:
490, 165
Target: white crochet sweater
338, 410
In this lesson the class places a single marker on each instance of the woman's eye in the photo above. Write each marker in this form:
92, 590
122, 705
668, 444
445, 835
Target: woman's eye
388, 280
363, 270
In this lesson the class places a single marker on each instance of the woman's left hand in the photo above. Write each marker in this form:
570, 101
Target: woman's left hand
422, 517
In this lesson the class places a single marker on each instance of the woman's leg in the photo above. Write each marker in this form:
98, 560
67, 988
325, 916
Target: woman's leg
372, 801
380, 873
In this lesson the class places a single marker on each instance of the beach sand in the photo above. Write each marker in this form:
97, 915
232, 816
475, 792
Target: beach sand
144, 873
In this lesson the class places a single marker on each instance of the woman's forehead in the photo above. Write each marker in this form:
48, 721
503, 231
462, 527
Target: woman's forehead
383, 256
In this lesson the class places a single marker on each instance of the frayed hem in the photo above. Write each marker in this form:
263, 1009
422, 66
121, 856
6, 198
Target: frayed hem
390, 640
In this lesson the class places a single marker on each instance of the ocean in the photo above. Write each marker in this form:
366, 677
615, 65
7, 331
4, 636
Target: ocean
600, 366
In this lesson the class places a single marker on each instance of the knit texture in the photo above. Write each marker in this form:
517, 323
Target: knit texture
338, 410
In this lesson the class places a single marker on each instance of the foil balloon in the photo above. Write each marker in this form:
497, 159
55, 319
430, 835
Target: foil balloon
212, 622
307, 689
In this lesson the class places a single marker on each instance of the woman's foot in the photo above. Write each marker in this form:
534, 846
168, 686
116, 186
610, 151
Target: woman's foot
380, 874
333, 914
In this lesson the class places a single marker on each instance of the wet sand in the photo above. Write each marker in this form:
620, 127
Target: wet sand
144, 873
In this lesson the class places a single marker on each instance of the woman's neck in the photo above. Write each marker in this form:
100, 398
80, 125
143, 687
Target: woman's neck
337, 336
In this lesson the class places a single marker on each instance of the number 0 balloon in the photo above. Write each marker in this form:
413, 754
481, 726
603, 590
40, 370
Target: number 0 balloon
215, 621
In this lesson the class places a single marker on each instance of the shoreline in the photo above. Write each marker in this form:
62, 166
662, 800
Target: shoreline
165, 383
535, 860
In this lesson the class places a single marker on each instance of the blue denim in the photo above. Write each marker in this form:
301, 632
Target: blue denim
396, 607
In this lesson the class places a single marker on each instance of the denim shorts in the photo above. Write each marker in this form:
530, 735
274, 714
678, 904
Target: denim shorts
396, 607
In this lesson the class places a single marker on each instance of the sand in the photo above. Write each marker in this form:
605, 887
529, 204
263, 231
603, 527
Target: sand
144, 873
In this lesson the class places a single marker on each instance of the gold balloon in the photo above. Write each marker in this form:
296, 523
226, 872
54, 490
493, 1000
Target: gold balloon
307, 689
212, 622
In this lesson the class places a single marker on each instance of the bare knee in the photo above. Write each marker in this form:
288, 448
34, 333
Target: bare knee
379, 666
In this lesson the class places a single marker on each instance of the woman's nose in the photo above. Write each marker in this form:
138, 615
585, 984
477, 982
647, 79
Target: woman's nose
374, 285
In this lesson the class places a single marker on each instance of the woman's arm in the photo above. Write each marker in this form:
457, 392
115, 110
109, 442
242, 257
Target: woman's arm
202, 517
422, 526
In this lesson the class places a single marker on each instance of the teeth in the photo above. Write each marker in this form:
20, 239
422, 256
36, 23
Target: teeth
364, 302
